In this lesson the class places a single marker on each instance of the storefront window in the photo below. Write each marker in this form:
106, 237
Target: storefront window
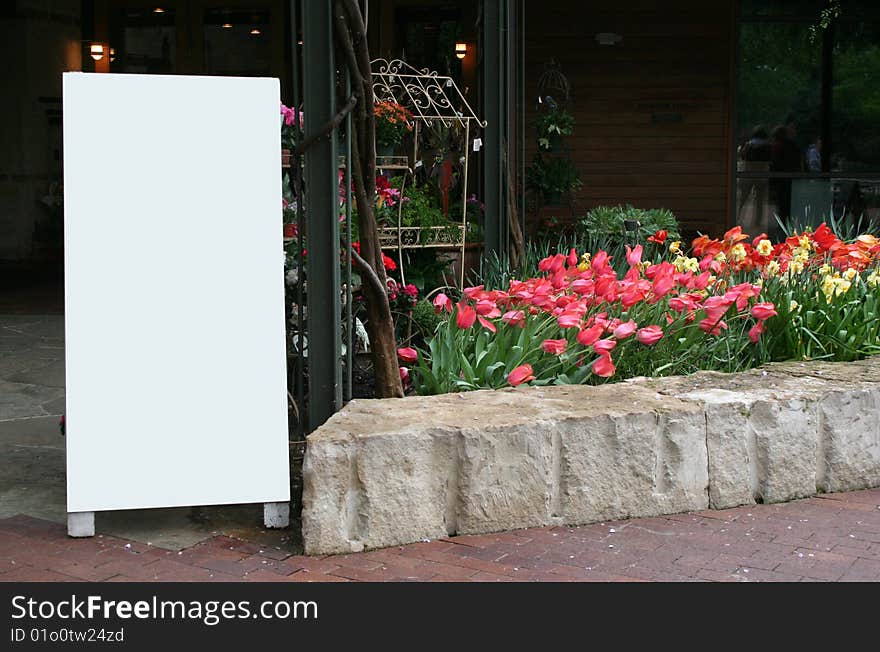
237, 42
807, 114
144, 41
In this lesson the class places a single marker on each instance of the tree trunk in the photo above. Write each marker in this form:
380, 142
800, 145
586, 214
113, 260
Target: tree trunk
352, 40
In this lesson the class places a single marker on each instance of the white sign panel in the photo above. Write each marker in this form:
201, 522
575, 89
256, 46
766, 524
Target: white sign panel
174, 297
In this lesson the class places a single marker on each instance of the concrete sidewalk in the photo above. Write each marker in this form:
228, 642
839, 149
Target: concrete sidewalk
32, 450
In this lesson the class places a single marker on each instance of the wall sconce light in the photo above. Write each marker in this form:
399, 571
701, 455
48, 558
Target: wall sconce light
461, 50
608, 38
158, 10
96, 50
112, 54
255, 32
226, 25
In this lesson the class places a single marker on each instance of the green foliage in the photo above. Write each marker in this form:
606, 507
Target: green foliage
552, 125
603, 228
420, 207
625, 223
426, 268
496, 271
810, 326
552, 176
425, 320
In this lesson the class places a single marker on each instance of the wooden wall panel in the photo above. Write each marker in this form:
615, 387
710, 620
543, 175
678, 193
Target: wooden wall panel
674, 58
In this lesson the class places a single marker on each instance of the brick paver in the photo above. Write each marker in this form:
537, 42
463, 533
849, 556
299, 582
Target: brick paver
835, 537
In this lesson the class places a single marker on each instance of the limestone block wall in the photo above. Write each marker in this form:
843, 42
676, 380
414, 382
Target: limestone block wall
394, 471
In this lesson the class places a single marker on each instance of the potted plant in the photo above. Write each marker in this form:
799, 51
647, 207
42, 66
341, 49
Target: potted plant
288, 132
552, 178
552, 126
392, 124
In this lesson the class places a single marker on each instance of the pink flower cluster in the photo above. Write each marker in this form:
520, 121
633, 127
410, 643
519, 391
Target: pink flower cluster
583, 294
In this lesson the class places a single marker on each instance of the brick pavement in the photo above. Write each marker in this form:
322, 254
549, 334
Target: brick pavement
834, 537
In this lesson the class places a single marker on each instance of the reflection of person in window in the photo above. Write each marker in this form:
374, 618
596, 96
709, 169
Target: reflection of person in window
755, 153
814, 156
785, 156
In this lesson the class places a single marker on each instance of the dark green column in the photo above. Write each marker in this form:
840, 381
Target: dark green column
322, 216
494, 69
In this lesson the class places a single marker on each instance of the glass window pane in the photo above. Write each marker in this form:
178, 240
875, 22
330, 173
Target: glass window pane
810, 201
779, 90
144, 41
237, 42
855, 106
784, 9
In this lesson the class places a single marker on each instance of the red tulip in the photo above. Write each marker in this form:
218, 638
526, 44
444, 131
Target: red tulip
466, 315
572, 257
659, 237
589, 335
604, 366
649, 335
625, 329
404, 375
764, 311
407, 355
554, 347
522, 374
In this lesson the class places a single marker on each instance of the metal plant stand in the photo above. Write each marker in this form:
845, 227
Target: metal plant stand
430, 98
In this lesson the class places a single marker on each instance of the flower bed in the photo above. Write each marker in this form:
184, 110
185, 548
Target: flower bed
728, 304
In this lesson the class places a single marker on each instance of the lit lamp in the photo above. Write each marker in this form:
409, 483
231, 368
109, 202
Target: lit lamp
112, 54
461, 50
96, 50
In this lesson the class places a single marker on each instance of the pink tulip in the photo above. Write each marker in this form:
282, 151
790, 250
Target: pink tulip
715, 307
485, 323
554, 347
756, 331
625, 329
442, 302
604, 346
568, 320
487, 308
634, 256
649, 335
764, 311
514, 318
407, 355
522, 374
603, 366
713, 326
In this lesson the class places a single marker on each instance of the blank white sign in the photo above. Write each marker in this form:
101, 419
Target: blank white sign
174, 295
